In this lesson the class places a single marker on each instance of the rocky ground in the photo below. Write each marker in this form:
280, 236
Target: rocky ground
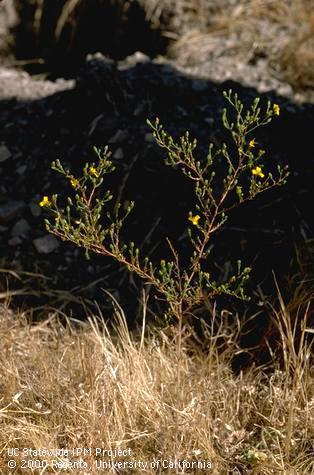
108, 103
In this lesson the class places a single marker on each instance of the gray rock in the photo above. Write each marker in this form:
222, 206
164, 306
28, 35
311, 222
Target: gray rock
21, 169
118, 154
20, 228
137, 57
46, 244
35, 209
11, 209
5, 153
209, 120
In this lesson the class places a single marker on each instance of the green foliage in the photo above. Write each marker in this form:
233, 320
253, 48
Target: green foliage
88, 221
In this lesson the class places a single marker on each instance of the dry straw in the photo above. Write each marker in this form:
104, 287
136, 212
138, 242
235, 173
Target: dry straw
77, 384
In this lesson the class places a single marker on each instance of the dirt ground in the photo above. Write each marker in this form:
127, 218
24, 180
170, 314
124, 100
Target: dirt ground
44, 117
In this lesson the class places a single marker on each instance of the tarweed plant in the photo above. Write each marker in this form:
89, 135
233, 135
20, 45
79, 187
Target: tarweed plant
89, 222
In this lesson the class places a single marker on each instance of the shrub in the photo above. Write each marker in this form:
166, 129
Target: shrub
222, 180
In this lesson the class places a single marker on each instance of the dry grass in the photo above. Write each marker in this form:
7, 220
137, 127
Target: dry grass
282, 32
77, 385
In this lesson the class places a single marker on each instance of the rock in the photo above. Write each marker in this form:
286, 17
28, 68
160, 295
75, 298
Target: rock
119, 137
46, 244
20, 228
35, 209
5, 153
118, 154
11, 209
21, 169
209, 120
137, 57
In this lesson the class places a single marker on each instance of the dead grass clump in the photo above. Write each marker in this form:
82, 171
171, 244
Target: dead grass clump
78, 386
292, 56
296, 59
282, 32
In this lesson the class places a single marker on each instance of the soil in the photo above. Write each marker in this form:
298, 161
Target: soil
108, 102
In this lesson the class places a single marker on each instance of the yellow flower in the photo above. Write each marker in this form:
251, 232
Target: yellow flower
257, 171
194, 219
276, 109
45, 202
93, 171
252, 143
74, 182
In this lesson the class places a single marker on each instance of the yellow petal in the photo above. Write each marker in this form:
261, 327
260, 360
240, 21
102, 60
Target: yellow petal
276, 109
45, 201
194, 219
